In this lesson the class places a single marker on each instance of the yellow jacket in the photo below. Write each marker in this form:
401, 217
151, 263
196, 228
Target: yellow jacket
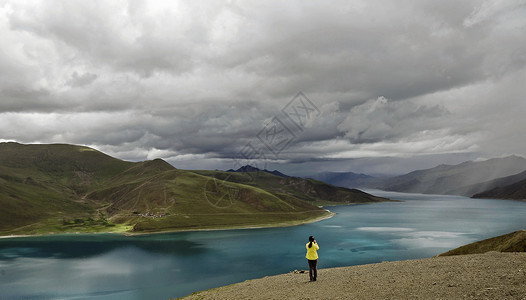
312, 253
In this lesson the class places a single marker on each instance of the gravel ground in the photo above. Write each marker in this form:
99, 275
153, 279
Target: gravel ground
493, 275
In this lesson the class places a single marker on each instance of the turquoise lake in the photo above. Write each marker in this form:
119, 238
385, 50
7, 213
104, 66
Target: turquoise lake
162, 266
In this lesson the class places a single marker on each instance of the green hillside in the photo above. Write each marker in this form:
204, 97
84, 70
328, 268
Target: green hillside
69, 188
310, 190
511, 242
43, 183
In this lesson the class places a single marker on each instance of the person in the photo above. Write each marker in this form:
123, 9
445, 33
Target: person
312, 257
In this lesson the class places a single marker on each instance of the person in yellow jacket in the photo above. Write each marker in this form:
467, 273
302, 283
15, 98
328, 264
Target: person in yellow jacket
312, 257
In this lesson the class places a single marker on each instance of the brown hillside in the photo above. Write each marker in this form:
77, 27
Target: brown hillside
511, 242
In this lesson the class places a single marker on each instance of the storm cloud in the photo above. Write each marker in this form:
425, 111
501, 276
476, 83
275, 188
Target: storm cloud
195, 82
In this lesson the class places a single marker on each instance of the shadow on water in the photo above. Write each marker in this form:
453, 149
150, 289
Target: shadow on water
85, 246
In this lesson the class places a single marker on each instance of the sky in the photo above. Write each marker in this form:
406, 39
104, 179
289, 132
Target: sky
376, 87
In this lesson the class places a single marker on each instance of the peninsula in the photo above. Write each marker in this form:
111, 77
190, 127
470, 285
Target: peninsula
62, 188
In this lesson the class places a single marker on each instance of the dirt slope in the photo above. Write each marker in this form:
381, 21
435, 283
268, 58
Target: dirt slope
492, 275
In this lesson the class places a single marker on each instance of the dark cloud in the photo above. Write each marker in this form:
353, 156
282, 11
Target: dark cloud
194, 82
382, 120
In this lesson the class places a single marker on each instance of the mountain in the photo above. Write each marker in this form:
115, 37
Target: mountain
276, 173
511, 242
70, 188
251, 169
346, 179
515, 191
309, 190
492, 184
462, 179
39, 182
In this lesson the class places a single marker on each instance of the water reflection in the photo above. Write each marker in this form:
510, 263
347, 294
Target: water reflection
74, 246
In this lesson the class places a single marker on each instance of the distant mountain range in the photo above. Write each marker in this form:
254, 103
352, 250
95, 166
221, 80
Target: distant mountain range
251, 169
70, 188
493, 178
464, 179
514, 191
346, 179
503, 183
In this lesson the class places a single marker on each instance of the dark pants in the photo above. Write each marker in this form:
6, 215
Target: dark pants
313, 269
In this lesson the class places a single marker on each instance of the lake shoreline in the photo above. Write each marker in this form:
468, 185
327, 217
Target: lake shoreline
225, 227
259, 226
271, 225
